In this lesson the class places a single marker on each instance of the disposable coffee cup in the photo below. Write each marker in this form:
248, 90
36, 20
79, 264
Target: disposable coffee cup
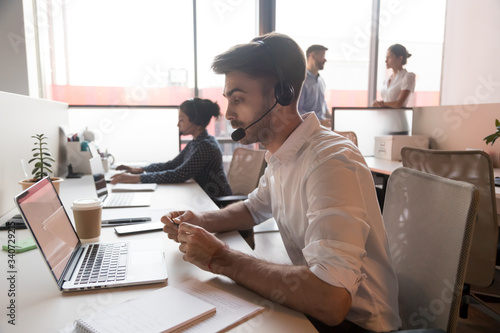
87, 213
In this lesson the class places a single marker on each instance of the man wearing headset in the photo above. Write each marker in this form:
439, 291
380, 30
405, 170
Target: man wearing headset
316, 186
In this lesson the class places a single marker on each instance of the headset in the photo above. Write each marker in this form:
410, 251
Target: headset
283, 93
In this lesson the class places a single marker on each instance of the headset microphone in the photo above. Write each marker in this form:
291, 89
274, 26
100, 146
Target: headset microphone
240, 133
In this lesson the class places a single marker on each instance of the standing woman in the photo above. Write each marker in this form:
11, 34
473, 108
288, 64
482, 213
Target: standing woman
396, 92
201, 159
397, 87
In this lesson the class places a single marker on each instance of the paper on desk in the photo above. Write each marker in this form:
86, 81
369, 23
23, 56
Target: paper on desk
230, 309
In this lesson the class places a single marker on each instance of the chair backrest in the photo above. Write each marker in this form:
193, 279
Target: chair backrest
429, 220
349, 135
245, 170
475, 167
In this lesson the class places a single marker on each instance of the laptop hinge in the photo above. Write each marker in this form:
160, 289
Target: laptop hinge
73, 262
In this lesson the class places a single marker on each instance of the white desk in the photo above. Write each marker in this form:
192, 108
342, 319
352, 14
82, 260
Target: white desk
386, 167
41, 307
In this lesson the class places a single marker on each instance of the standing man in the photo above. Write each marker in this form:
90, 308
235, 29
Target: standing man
317, 187
312, 97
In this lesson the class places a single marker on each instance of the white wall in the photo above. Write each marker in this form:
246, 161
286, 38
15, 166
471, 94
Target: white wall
471, 66
13, 64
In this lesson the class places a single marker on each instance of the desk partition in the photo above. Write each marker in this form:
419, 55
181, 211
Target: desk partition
130, 133
370, 122
22, 117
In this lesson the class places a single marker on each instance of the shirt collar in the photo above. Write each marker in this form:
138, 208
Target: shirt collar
297, 139
202, 135
312, 75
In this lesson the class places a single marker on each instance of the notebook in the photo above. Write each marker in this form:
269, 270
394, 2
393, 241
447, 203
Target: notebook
162, 310
118, 199
115, 264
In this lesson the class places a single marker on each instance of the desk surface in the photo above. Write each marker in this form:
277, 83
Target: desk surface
386, 167
41, 307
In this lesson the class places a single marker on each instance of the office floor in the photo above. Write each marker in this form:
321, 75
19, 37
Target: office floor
268, 244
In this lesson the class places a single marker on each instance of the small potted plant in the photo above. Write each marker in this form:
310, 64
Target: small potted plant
42, 159
492, 137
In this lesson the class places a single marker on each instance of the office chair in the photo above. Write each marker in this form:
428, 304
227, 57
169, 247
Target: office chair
349, 135
429, 220
475, 167
245, 170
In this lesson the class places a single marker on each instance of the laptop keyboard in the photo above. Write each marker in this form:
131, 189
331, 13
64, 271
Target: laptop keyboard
120, 200
103, 263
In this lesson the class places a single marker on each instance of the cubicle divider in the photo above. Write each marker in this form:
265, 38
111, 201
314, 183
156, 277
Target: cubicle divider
459, 127
22, 117
369, 122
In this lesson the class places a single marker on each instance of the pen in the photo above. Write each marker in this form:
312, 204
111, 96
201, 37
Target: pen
126, 220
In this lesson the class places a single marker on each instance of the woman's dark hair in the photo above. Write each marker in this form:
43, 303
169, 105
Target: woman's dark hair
200, 111
399, 50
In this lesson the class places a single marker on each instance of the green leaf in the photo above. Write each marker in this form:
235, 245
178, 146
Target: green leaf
33, 159
49, 158
38, 164
47, 164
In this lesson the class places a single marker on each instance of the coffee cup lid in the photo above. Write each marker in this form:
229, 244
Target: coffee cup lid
86, 204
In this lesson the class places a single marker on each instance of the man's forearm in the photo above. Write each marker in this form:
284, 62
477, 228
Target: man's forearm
294, 286
234, 217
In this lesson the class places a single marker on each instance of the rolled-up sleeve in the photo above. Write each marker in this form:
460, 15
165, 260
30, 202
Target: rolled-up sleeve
337, 230
259, 201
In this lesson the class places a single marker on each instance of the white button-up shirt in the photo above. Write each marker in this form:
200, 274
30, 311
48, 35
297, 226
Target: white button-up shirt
321, 193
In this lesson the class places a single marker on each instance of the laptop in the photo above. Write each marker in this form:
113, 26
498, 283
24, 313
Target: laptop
95, 153
115, 199
77, 266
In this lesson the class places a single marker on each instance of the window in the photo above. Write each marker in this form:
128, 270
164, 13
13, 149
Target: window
117, 52
221, 25
419, 26
344, 28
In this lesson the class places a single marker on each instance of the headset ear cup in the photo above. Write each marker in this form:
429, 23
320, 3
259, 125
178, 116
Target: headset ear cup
283, 92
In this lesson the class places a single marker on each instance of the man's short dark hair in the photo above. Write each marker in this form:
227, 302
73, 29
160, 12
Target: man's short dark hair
315, 49
255, 60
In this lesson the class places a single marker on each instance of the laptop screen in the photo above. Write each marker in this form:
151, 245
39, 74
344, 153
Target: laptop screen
99, 180
49, 224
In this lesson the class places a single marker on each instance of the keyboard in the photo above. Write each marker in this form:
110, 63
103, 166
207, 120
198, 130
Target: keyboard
103, 263
120, 199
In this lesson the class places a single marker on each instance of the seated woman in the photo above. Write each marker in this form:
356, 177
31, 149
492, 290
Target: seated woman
396, 89
201, 159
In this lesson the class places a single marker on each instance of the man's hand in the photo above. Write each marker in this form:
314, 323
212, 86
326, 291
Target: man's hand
172, 220
125, 178
130, 169
199, 246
